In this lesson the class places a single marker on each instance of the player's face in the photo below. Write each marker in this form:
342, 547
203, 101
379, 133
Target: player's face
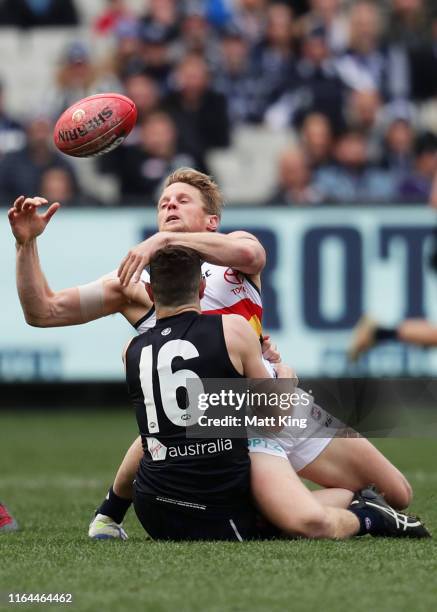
180, 209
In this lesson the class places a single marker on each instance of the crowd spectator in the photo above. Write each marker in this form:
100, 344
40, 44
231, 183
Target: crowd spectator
329, 14
236, 79
155, 53
417, 186
21, 171
316, 68
398, 147
41, 13
368, 63
162, 15
362, 111
218, 12
352, 179
142, 167
125, 57
76, 78
115, 13
295, 186
250, 17
321, 87
273, 58
143, 91
58, 185
12, 136
423, 65
199, 112
408, 23
313, 85
316, 138
197, 35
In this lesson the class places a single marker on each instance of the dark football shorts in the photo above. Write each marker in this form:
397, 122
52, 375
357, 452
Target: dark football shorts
165, 518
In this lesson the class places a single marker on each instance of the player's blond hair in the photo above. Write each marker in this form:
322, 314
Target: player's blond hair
211, 195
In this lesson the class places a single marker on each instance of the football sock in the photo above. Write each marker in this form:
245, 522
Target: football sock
370, 519
114, 506
386, 333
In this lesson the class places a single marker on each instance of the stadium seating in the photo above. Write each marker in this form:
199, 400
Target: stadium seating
247, 171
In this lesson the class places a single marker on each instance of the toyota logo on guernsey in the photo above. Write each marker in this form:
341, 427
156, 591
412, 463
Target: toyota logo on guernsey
233, 277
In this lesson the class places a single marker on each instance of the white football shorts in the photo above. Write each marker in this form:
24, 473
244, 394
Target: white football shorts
299, 445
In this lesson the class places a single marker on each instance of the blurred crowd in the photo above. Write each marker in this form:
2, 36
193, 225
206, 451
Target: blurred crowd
354, 83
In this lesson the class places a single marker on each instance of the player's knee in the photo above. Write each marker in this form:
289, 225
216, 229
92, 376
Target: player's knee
400, 494
404, 494
314, 524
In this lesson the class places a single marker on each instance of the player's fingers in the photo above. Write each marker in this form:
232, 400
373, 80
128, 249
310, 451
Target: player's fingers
272, 356
129, 272
122, 266
34, 202
130, 269
38, 201
18, 202
140, 267
270, 351
29, 203
266, 345
11, 215
51, 211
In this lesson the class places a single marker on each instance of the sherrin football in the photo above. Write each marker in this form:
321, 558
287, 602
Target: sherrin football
95, 125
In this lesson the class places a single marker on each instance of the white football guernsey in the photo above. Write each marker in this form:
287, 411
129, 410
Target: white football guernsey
227, 292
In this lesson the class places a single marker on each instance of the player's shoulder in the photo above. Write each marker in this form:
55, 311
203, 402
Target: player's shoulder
238, 326
234, 320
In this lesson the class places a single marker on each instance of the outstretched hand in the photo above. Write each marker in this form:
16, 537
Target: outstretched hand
138, 257
25, 220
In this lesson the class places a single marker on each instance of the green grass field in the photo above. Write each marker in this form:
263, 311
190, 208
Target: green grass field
56, 468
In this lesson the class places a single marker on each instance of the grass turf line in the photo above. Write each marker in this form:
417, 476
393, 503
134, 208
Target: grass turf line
54, 471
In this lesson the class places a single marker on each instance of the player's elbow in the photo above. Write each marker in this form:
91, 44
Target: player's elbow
35, 320
252, 257
43, 317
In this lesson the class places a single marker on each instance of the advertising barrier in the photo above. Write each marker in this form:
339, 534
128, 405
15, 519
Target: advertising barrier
325, 268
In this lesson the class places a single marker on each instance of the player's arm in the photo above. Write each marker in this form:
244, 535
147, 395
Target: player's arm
245, 350
418, 331
43, 307
244, 347
245, 353
239, 250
